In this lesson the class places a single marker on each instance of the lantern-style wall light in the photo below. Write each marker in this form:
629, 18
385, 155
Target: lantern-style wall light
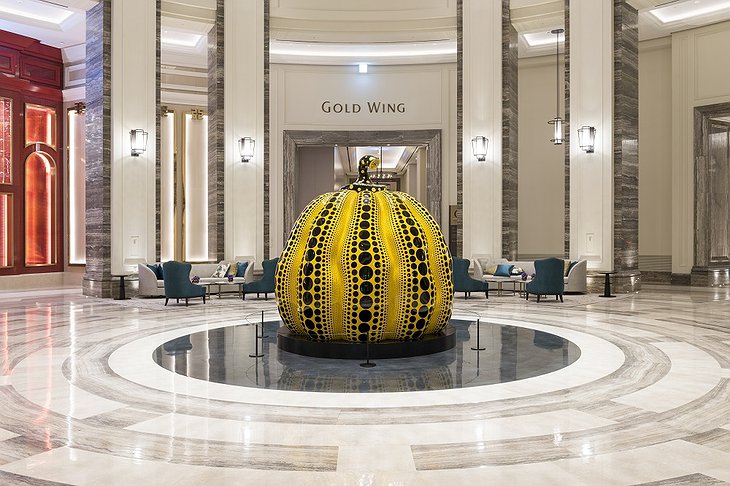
246, 146
138, 141
587, 138
479, 146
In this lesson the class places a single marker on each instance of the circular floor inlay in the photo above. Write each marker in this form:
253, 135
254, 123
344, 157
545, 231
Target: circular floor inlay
512, 353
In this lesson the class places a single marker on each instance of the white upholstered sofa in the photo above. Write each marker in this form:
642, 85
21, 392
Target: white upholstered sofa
575, 280
150, 286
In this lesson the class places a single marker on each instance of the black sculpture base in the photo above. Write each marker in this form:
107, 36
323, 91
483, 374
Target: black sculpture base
346, 350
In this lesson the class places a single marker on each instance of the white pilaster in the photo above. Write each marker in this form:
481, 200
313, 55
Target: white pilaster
591, 103
244, 117
482, 115
133, 99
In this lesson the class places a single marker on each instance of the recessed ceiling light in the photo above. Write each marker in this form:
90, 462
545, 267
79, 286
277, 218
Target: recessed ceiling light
363, 50
539, 39
35, 11
688, 9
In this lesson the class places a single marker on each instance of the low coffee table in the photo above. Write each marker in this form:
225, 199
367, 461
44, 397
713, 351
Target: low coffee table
240, 287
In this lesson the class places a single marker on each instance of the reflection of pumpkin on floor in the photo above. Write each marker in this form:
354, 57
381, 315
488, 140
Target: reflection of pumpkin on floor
365, 264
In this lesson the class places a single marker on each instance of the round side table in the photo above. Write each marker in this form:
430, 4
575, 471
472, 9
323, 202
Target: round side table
607, 285
122, 293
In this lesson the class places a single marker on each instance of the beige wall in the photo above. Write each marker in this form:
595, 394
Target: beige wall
541, 173
655, 155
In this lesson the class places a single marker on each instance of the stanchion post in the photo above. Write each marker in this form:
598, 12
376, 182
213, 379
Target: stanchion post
478, 348
261, 336
367, 363
256, 343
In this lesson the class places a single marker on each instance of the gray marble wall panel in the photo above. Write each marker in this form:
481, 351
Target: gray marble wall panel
158, 153
216, 141
566, 76
297, 138
712, 196
509, 135
267, 134
459, 250
97, 278
626, 147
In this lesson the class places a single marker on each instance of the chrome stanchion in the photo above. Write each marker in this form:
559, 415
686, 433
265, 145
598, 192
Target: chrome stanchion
367, 363
478, 348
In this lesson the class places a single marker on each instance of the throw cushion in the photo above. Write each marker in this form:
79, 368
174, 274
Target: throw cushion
516, 271
220, 270
156, 269
566, 267
491, 269
503, 270
241, 270
232, 269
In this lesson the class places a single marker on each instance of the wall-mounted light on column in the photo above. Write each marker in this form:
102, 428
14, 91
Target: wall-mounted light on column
138, 141
479, 146
587, 138
246, 147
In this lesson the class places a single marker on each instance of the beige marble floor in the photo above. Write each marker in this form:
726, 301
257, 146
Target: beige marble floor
648, 402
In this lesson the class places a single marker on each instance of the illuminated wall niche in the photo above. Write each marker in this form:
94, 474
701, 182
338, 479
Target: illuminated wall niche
195, 170
76, 186
167, 186
6, 174
40, 199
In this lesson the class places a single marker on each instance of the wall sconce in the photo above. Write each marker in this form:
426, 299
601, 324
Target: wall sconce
246, 146
138, 141
479, 146
587, 138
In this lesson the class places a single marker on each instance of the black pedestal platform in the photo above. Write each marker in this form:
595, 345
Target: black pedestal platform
429, 344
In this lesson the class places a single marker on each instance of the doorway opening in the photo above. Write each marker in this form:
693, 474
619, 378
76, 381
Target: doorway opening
412, 163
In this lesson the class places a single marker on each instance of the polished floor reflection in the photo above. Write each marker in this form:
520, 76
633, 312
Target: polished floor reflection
646, 402
510, 353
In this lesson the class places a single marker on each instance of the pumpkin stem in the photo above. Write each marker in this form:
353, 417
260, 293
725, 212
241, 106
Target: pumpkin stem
366, 162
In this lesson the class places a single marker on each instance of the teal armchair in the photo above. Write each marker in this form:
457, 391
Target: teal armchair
548, 279
463, 282
266, 284
177, 282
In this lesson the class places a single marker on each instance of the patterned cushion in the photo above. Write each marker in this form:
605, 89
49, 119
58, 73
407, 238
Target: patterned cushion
566, 267
233, 269
516, 271
491, 269
503, 270
220, 270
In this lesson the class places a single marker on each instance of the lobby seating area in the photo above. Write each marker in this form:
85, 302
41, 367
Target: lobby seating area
152, 283
574, 279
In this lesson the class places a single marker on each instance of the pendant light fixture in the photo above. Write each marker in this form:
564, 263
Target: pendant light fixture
557, 122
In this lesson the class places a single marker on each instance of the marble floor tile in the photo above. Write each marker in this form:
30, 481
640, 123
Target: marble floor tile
647, 402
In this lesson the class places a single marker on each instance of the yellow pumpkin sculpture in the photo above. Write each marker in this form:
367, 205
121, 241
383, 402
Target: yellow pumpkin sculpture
365, 264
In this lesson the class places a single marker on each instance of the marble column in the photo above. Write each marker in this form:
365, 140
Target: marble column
509, 135
459, 249
589, 76
566, 124
97, 279
122, 39
626, 148
481, 183
216, 136
158, 114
